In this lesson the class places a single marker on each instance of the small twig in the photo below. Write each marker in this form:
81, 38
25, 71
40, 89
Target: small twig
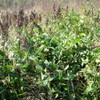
41, 97
72, 86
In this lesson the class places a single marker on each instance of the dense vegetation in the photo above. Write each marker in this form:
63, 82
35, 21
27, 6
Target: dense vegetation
56, 61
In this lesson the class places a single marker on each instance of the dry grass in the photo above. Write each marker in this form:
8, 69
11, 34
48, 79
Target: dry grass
42, 8
19, 17
45, 6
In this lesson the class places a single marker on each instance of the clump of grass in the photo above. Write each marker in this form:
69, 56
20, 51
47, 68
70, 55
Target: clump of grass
54, 7
4, 29
40, 18
20, 18
59, 12
47, 21
26, 21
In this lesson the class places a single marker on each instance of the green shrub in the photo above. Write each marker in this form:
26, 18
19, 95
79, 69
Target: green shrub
60, 64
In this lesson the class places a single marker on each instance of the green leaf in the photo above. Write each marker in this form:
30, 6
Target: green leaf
71, 75
97, 60
25, 66
98, 11
2, 53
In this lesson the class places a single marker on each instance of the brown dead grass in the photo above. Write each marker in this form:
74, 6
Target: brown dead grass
45, 6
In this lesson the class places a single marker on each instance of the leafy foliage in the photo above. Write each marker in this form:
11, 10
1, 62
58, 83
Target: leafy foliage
58, 64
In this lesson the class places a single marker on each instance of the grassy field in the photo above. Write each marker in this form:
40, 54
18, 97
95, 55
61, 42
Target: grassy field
50, 51
45, 5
